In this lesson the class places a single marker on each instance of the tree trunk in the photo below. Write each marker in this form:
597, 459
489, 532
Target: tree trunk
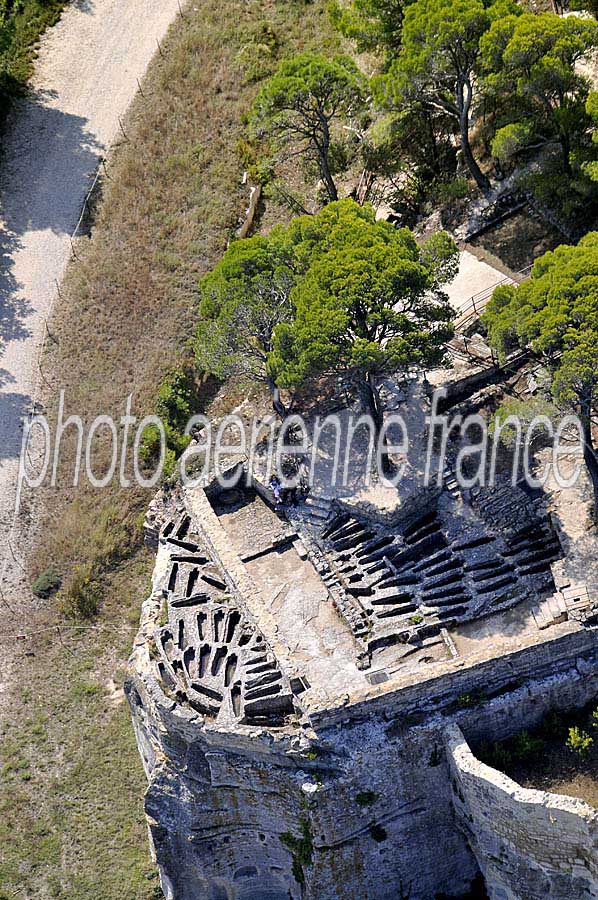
328, 181
277, 404
372, 401
464, 106
566, 148
327, 177
434, 142
325, 172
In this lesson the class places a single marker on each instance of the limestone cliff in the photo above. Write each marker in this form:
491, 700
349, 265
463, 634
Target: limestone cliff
278, 766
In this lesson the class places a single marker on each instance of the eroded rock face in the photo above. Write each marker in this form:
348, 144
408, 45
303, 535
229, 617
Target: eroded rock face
246, 799
259, 818
267, 784
203, 668
215, 826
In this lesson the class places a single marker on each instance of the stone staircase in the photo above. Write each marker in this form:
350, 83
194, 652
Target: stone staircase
316, 510
450, 483
561, 605
550, 611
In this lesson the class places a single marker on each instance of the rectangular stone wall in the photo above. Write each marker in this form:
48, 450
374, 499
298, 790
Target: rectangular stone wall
453, 683
529, 844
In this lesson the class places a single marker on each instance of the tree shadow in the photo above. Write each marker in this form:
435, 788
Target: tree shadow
13, 407
49, 160
14, 309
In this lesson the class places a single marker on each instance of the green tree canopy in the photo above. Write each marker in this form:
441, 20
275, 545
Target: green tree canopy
248, 293
438, 63
591, 166
372, 24
406, 151
332, 292
555, 312
411, 147
242, 300
590, 6
301, 106
529, 64
369, 304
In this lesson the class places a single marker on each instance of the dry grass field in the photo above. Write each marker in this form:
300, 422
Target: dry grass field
71, 818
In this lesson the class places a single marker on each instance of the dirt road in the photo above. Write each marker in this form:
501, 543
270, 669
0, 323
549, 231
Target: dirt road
85, 78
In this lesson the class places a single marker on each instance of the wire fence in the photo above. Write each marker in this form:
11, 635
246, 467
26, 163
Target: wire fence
470, 350
10, 556
35, 402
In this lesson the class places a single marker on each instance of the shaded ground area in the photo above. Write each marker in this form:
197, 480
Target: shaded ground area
477, 892
542, 760
575, 573
519, 240
20, 27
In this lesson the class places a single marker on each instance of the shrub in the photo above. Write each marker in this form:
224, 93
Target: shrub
82, 593
378, 832
524, 745
21, 24
175, 398
248, 153
579, 741
496, 754
525, 412
301, 849
174, 403
553, 725
46, 583
456, 189
149, 448
468, 701
83, 690
256, 61
573, 201
366, 798
511, 140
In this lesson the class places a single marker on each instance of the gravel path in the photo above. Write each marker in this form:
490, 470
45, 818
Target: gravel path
85, 78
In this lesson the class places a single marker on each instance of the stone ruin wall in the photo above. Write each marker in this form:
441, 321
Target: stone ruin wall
529, 844
514, 691
229, 816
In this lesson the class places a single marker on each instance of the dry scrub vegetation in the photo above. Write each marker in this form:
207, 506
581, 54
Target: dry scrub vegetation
21, 24
71, 819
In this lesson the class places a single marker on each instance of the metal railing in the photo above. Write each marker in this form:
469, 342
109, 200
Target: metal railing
476, 304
